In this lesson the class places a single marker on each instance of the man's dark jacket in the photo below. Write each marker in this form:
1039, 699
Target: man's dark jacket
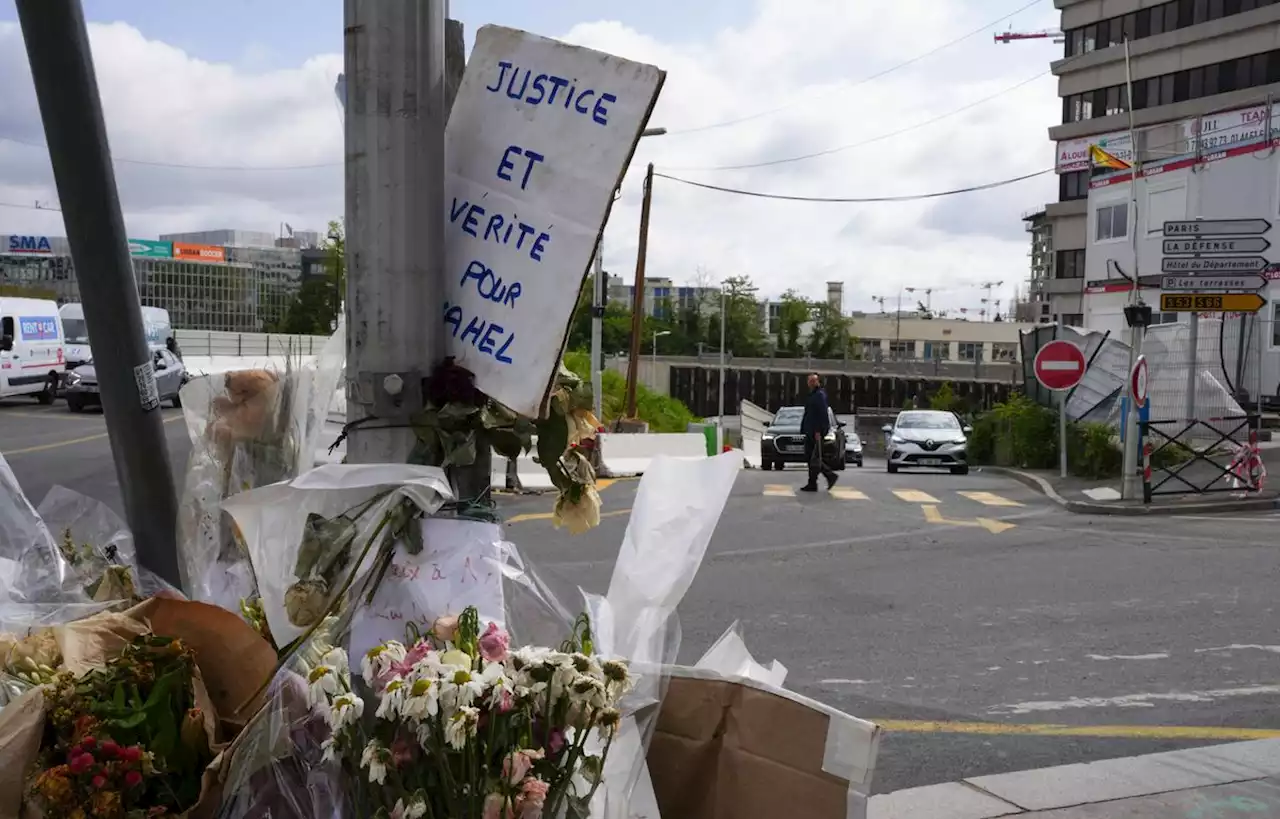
816, 417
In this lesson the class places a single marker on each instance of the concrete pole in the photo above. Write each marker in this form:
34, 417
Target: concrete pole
395, 218
66, 85
599, 288
637, 297
724, 320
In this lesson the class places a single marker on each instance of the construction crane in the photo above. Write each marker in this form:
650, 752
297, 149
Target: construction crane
1010, 36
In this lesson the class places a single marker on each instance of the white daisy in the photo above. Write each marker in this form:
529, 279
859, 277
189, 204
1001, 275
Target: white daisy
347, 708
461, 727
330, 750
375, 758
422, 699
379, 658
393, 697
322, 684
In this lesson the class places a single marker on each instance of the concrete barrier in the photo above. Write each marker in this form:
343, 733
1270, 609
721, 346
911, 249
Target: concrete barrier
624, 455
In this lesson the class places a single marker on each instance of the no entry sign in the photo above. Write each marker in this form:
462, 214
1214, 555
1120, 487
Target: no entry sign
1138, 382
1059, 365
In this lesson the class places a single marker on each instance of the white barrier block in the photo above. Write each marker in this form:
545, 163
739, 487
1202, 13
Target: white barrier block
627, 454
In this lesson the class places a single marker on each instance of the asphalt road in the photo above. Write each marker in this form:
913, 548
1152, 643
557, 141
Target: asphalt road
989, 631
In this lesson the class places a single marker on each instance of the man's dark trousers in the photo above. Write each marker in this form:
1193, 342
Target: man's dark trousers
813, 454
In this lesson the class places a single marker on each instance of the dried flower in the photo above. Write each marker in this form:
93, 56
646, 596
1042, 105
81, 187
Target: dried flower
193, 733
578, 516
451, 384
305, 602
375, 758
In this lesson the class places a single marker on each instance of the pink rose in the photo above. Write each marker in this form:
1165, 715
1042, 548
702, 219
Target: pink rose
517, 764
506, 701
533, 794
401, 752
445, 628
419, 651
494, 643
555, 741
493, 806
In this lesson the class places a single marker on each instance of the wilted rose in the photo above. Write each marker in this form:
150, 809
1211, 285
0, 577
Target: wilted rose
306, 601
450, 384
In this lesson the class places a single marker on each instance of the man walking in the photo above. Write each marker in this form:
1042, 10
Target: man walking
814, 426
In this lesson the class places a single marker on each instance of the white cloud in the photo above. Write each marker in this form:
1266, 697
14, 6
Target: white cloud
163, 105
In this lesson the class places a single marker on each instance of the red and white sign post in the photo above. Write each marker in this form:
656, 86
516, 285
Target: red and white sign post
1059, 366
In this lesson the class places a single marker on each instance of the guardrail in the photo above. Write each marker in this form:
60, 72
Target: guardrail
217, 344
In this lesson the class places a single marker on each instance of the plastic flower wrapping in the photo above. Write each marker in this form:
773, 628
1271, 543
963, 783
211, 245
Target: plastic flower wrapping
435, 672
248, 428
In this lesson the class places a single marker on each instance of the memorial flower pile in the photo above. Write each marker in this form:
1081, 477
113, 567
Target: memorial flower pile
124, 741
465, 726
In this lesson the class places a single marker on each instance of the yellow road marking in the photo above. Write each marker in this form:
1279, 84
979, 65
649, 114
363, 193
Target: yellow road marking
914, 496
777, 490
548, 515
73, 441
604, 483
1118, 731
995, 527
845, 493
989, 498
61, 416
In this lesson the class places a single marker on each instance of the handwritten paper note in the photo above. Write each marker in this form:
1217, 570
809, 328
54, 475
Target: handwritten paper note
537, 141
459, 566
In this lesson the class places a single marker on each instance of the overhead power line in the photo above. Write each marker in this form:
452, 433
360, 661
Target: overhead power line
187, 166
855, 199
863, 81
880, 138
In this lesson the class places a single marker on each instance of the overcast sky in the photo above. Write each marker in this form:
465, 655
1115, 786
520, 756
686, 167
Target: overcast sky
243, 84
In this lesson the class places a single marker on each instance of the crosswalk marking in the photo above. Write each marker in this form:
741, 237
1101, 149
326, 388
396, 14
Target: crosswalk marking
914, 496
989, 499
779, 491
845, 493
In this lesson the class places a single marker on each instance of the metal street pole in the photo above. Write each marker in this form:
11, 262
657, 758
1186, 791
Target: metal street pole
66, 86
1062, 433
395, 216
1130, 486
657, 334
724, 320
599, 287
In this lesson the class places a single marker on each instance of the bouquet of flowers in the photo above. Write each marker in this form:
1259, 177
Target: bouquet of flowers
248, 428
464, 726
127, 740
124, 713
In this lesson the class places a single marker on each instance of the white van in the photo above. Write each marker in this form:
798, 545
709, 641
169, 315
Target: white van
32, 354
155, 323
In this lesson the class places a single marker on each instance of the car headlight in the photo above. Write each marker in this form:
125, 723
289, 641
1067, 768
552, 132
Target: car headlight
768, 436
897, 439
829, 437
72, 379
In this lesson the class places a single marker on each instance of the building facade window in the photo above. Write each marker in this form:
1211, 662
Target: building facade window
1151, 21
1235, 74
1004, 351
1073, 319
902, 350
1069, 264
1112, 222
1073, 185
935, 350
968, 350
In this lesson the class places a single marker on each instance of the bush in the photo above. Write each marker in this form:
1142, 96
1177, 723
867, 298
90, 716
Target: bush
1021, 433
945, 399
662, 412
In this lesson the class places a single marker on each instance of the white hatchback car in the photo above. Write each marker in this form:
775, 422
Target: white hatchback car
927, 438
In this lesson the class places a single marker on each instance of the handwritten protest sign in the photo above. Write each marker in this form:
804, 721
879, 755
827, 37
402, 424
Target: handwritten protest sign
460, 566
537, 142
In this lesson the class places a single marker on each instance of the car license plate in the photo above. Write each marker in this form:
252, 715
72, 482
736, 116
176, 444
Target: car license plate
930, 461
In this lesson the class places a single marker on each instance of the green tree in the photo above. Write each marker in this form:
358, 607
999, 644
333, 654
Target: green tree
743, 328
315, 309
831, 336
793, 311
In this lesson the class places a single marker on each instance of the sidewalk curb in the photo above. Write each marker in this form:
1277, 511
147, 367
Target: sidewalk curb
1087, 508
1063, 787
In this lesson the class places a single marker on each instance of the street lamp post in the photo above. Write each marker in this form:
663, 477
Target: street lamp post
657, 334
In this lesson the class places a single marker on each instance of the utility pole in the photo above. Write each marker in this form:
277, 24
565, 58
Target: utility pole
57, 42
600, 293
637, 296
1130, 486
724, 320
395, 120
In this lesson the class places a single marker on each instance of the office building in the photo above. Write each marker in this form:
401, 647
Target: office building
835, 296
663, 298
226, 237
204, 287
1203, 75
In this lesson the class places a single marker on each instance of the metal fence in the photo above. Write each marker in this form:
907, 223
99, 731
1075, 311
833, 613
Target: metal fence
214, 343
